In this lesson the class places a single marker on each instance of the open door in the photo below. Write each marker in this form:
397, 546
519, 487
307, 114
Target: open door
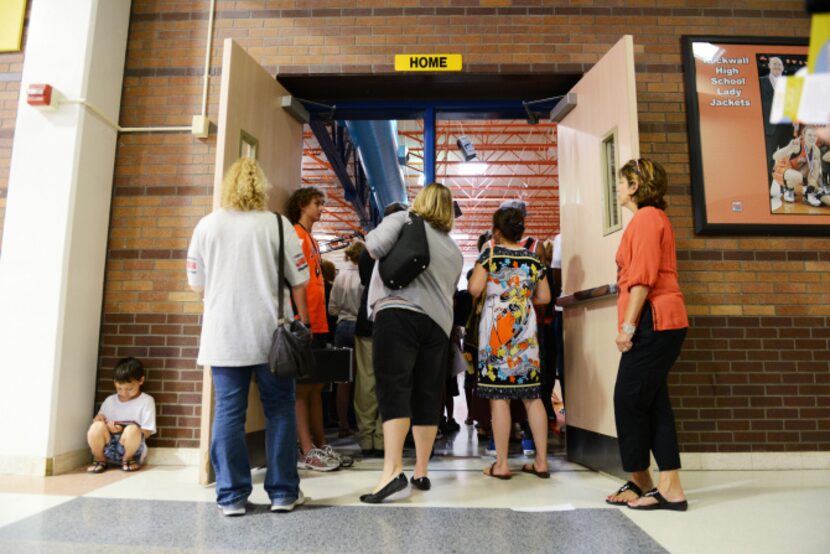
253, 123
595, 139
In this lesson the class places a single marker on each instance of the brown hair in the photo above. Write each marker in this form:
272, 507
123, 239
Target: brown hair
354, 251
301, 198
510, 222
329, 270
651, 181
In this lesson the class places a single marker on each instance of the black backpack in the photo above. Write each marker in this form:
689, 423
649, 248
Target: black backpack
409, 256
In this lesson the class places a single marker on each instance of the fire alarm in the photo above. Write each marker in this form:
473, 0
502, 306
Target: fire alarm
42, 96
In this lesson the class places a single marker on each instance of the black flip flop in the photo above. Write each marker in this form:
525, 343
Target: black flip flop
502, 477
531, 468
629, 486
662, 503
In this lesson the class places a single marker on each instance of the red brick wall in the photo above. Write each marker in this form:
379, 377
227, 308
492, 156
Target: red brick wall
11, 69
754, 374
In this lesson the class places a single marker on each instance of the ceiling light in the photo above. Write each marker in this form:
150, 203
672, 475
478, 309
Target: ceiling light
475, 168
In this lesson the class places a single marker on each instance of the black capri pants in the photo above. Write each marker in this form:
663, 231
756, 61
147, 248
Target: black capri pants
645, 420
409, 353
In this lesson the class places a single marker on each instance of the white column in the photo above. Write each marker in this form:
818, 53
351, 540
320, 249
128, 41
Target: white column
55, 235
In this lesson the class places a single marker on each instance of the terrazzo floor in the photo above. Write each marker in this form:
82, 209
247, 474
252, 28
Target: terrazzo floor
163, 509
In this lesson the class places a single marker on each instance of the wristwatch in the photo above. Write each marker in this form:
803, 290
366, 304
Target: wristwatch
628, 328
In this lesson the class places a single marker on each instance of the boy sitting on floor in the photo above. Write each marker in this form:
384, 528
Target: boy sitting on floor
126, 419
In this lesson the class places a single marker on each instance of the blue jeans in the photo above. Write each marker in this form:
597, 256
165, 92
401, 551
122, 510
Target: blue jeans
228, 450
344, 333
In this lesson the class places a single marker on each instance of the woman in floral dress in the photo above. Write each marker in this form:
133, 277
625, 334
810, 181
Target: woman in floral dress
512, 279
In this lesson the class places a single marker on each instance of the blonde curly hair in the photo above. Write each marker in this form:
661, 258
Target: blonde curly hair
245, 187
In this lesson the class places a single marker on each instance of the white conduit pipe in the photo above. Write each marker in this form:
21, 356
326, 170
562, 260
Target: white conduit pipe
101, 115
207, 56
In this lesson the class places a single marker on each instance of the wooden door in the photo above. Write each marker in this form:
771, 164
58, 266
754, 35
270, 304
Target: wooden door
600, 130
251, 121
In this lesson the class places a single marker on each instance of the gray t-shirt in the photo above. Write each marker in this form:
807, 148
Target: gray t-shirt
233, 255
432, 291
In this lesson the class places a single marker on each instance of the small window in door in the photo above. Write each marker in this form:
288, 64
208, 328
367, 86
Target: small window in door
612, 218
247, 145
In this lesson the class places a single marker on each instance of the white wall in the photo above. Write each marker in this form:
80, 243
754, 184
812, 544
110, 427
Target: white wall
54, 240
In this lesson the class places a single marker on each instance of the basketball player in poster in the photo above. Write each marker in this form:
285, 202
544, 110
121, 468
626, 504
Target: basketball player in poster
798, 168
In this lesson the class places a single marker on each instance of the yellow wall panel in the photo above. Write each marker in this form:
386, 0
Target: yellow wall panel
12, 13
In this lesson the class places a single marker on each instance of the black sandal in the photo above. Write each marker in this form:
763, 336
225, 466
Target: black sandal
629, 486
129, 466
662, 503
97, 467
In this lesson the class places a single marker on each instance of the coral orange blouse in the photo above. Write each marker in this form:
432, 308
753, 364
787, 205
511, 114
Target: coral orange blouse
647, 257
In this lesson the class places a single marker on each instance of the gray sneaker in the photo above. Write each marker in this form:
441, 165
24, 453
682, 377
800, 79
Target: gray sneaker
235, 509
317, 460
342, 459
284, 505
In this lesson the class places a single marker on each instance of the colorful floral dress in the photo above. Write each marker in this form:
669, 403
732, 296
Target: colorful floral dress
508, 352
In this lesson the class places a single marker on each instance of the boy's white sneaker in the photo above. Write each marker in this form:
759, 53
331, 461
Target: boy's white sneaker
235, 509
317, 460
284, 505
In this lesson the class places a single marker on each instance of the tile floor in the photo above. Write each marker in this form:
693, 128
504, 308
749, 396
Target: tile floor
730, 511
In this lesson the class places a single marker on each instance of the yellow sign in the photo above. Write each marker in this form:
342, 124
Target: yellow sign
428, 62
819, 59
12, 13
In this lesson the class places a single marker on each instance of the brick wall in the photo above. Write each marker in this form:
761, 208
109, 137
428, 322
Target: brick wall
754, 374
11, 69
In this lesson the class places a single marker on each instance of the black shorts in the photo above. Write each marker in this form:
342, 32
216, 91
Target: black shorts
409, 353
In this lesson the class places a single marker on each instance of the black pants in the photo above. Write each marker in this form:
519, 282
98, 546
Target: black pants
645, 420
409, 353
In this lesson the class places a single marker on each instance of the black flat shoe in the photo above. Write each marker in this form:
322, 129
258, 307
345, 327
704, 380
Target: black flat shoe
422, 483
395, 485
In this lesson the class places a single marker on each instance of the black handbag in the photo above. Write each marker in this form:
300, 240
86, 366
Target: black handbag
290, 352
409, 256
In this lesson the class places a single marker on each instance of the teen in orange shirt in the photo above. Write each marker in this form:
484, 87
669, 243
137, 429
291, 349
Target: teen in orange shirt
652, 326
305, 208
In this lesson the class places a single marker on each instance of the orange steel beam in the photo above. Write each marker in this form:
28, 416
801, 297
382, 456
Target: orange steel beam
347, 222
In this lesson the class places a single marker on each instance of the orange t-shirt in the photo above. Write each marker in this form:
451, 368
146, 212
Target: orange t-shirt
316, 287
647, 257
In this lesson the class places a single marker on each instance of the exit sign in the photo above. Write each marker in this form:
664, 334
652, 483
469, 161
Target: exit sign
428, 62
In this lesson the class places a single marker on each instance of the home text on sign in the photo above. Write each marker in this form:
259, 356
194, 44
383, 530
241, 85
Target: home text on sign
428, 62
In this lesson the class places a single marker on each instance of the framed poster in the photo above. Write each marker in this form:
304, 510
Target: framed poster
751, 177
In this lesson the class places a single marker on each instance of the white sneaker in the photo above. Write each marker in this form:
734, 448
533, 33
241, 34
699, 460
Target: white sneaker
317, 460
285, 505
789, 195
343, 460
775, 190
812, 200
235, 509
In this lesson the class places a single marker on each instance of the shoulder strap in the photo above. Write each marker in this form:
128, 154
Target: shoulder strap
280, 265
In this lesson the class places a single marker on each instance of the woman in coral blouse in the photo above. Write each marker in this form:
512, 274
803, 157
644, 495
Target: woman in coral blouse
652, 325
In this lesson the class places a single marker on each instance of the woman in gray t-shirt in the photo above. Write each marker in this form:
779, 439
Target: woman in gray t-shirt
411, 338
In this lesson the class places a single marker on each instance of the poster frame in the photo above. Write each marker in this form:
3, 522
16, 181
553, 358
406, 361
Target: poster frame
701, 224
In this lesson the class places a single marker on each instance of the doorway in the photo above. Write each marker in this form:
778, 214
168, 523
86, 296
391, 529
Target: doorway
490, 107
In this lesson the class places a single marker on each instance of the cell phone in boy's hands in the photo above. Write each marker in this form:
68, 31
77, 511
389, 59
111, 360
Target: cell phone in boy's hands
123, 424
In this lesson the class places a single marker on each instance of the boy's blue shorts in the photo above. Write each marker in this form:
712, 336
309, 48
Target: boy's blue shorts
114, 450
